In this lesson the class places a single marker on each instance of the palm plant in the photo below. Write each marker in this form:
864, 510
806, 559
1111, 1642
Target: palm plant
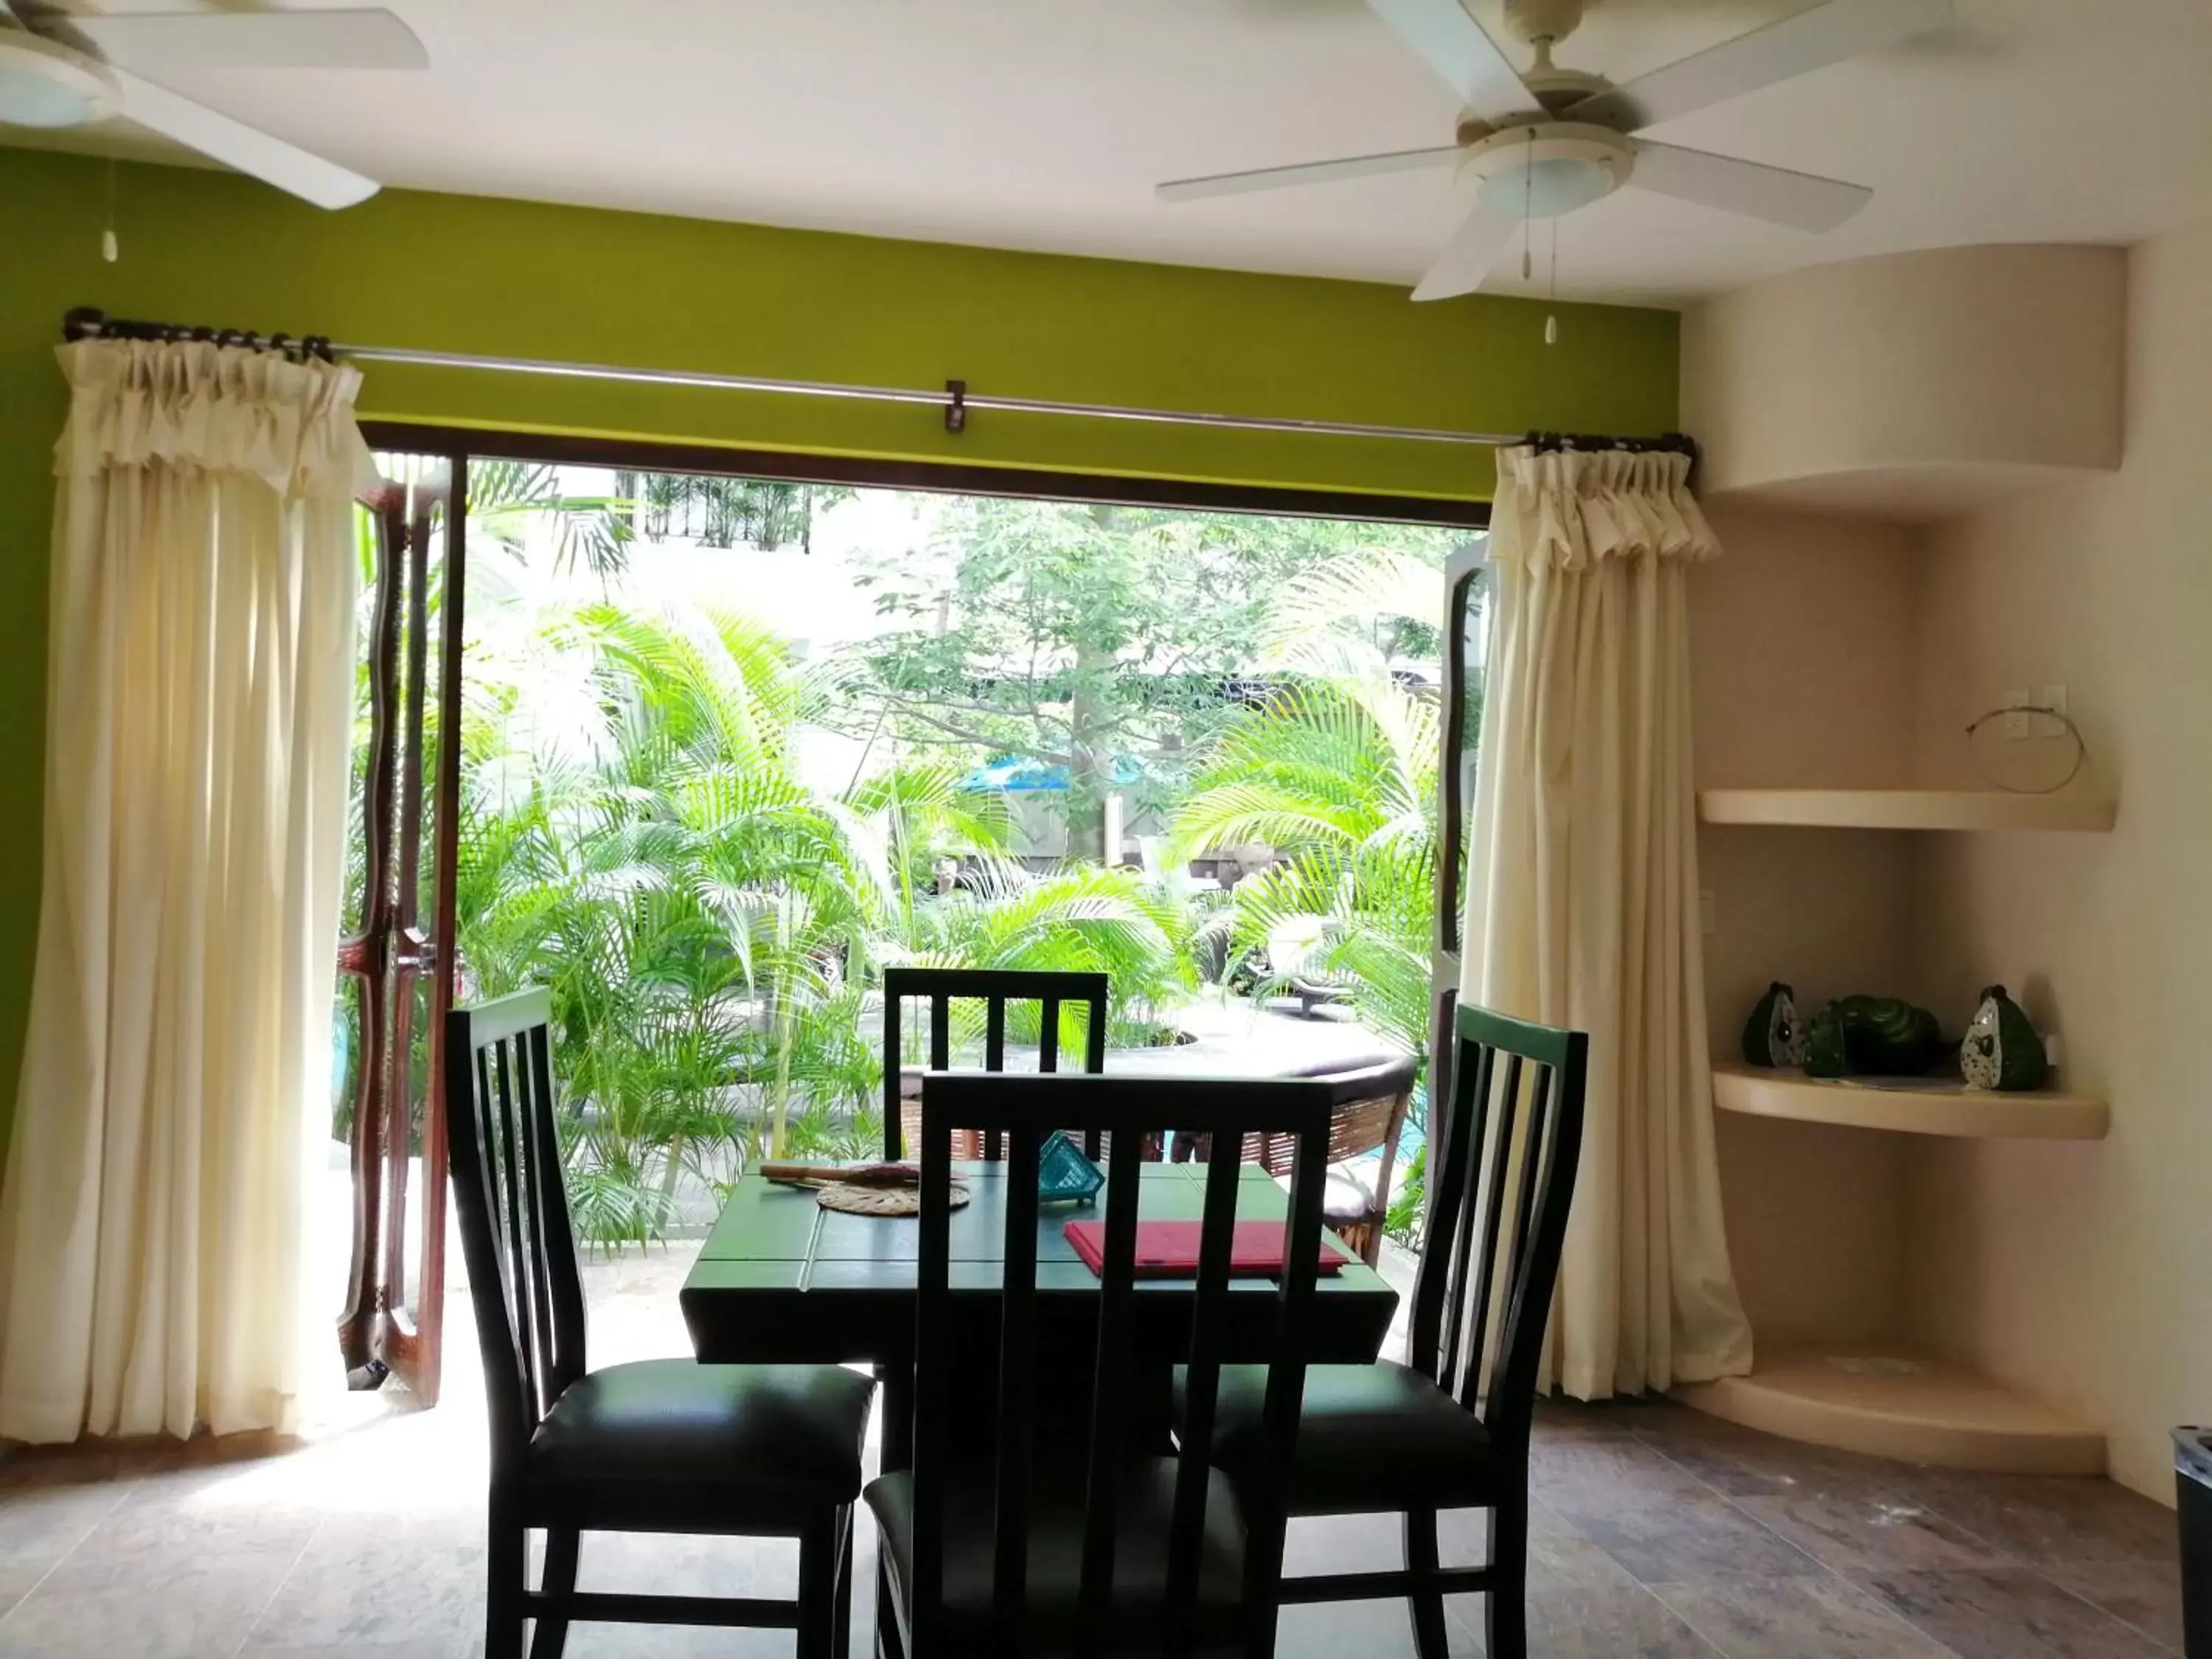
636, 838
1336, 767
1079, 918
1340, 777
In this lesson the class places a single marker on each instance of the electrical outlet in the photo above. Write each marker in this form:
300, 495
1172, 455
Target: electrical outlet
1706, 923
2018, 723
2052, 697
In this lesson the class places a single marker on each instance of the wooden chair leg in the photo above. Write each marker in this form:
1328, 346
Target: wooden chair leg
1505, 1616
818, 1586
561, 1546
888, 1644
506, 1577
1263, 1582
1424, 1601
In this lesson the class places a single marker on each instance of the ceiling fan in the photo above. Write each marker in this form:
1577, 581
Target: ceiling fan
1541, 142
70, 69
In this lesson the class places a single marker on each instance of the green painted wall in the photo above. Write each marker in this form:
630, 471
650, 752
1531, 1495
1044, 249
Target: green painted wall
522, 279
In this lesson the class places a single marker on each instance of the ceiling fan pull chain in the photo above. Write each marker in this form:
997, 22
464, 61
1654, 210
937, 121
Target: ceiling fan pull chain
1527, 201
108, 249
1552, 322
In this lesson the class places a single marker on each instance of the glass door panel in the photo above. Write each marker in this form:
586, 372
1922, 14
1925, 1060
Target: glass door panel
395, 960
1465, 624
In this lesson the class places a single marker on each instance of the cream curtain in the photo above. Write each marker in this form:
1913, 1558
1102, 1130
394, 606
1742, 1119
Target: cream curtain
1582, 906
198, 722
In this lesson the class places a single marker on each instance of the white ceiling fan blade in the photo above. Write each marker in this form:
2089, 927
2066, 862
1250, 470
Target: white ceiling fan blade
1475, 247
369, 39
1795, 45
1454, 45
1802, 201
268, 159
1308, 173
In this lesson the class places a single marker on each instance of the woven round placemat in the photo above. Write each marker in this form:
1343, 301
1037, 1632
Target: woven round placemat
878, 1200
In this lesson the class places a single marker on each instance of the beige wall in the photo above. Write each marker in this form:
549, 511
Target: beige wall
1836, 650
1803, 663
1913, 382
2084, 1273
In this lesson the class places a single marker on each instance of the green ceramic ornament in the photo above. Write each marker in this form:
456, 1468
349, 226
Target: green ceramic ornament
1774, 1035
2002, 1050
1824, 1043
1872, 1036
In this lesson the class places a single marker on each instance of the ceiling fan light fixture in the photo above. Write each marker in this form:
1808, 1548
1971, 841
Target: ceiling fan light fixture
45, 84
1543, 170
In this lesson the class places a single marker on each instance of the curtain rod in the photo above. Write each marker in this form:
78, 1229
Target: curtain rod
88, 322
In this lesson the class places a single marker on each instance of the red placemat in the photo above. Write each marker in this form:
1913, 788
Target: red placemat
1169, 1249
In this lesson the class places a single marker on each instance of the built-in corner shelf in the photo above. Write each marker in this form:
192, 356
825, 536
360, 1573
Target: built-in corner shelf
1906, 809
1893, 1402
1915, 1106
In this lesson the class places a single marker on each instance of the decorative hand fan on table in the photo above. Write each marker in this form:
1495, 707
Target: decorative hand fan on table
858, 1189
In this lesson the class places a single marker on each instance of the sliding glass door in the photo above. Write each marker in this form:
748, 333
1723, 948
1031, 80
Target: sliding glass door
395, 960
1466, 620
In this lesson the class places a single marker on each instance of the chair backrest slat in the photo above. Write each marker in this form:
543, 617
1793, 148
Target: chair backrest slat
563, 1285
513, 1212
1016, 1390
1128, 1112
515, 1202
1267, 1516
1488, 1229
995, 1059
934, 1362
940, 988
1109, 1394
1216, 1236
1498, 1203
940, 1034
1450, 1245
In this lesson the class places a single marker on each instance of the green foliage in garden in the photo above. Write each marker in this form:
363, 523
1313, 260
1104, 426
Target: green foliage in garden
635, 836
638, 833
1096, 638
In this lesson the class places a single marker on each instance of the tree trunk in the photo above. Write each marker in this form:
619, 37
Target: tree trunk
1088, 771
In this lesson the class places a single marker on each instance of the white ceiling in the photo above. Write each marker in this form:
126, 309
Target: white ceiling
1044, 124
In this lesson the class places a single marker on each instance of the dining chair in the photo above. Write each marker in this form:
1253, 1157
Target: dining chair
660, 1445
1024, 1548
1450, 1429
939, 988
1368, 1104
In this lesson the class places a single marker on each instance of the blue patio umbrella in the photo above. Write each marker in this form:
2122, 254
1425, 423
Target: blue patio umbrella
1015, 775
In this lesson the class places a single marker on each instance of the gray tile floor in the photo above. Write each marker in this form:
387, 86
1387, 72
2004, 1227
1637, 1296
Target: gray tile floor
1656, 1532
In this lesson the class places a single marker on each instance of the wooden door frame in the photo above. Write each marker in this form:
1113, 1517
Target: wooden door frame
1460, 570
939, 477
392, 952
420, 1347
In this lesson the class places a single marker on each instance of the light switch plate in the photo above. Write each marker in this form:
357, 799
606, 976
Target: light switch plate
2050, 696
2018, 724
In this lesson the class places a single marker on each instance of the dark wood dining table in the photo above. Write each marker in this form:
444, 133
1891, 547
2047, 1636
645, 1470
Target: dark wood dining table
782, 1280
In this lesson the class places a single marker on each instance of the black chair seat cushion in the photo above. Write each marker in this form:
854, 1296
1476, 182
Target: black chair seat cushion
1055, 1533
1371, 1439
669, 1445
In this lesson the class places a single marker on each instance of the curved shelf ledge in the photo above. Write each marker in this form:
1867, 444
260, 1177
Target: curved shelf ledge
1906, 809
1924, 1107
1892, 1402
